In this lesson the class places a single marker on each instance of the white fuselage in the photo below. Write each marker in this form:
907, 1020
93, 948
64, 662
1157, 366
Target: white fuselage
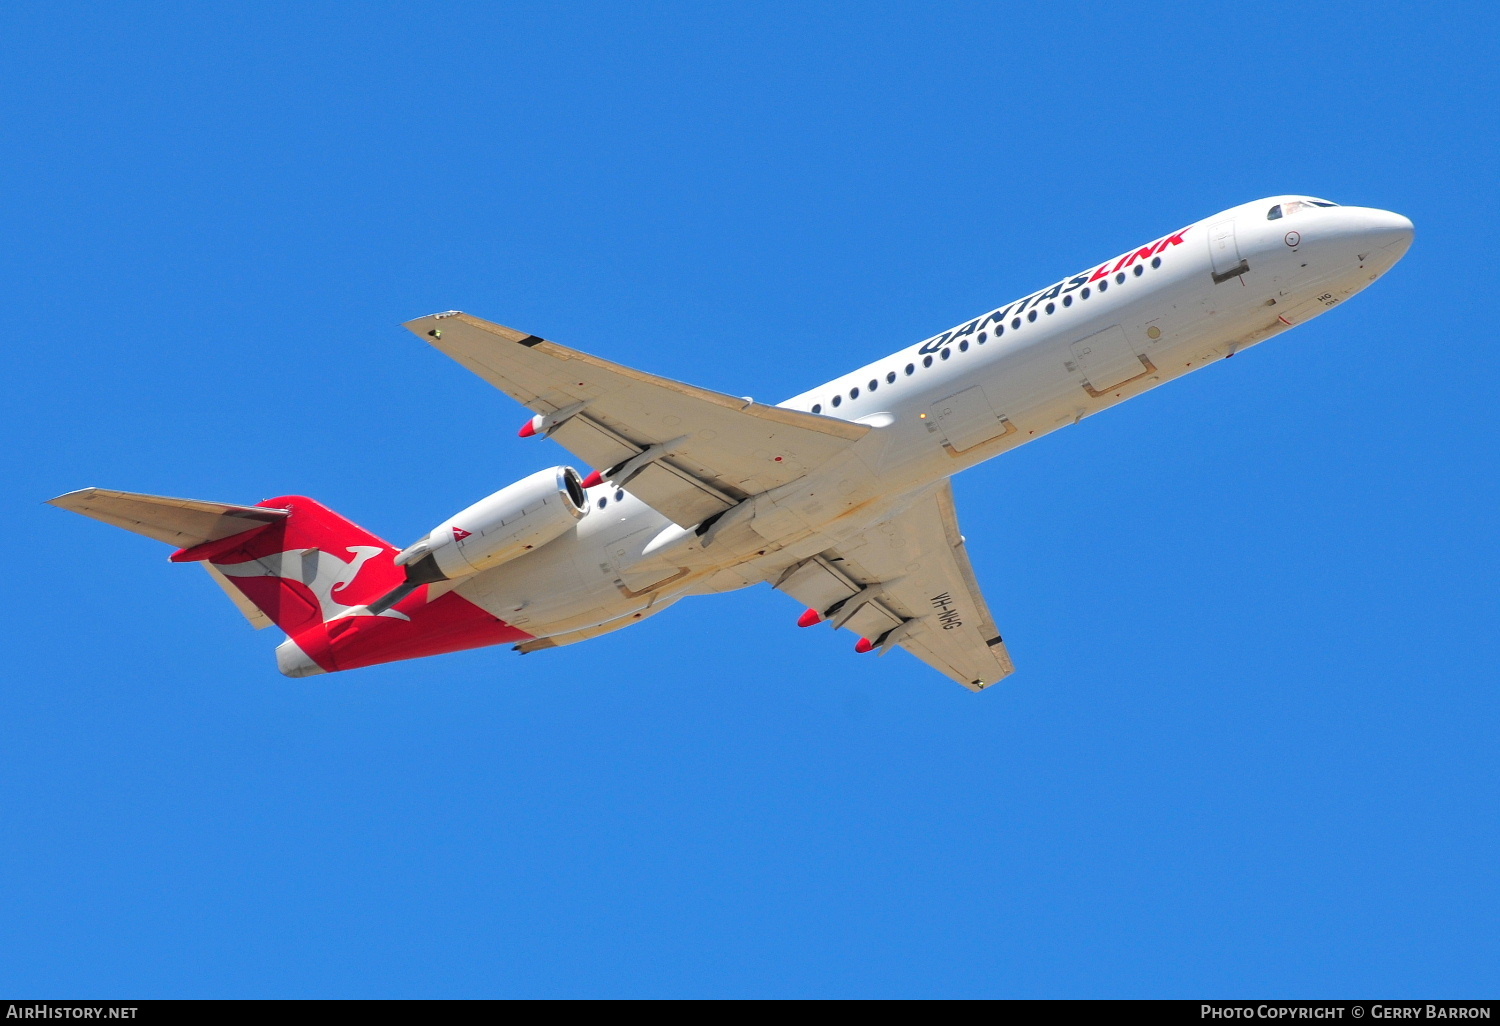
986, 386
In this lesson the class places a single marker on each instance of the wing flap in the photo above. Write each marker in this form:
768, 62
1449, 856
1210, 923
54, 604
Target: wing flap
873, 620
680, 497
816, 584
595, 444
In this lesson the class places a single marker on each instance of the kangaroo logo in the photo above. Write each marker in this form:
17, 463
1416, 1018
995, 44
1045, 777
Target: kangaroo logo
322, 572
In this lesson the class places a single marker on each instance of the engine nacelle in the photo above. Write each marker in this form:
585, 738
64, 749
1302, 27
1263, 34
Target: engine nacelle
513, 521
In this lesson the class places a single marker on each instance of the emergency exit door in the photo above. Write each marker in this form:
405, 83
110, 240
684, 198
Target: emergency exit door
1107, 360
967, 420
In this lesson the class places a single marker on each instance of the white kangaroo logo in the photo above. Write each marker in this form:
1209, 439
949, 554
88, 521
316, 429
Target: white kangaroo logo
322, 572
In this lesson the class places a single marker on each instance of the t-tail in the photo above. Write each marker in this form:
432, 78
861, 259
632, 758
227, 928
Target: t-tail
325, 581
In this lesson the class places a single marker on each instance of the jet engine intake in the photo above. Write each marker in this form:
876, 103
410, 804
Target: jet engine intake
507, 524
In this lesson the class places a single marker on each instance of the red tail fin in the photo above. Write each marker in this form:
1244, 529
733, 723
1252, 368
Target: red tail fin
306, 569
311, 572
315, 573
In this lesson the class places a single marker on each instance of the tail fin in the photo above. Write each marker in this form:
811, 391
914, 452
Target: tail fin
305, 569
292, 561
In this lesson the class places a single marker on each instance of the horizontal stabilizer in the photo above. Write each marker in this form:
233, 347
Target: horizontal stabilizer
180, 522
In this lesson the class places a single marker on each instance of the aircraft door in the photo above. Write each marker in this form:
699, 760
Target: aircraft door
1225, 252
967, 420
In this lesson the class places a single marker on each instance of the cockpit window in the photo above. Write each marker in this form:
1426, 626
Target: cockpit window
1292, 206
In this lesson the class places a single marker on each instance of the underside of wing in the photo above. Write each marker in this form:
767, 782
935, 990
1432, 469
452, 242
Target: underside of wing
686, 451
907, 582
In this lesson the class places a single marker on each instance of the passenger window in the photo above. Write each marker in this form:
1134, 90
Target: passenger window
1120, 278
911, 368
1051, 308
1015, 322
946, 353
1102, 286
890, 379
1156, 261
837, 400
963, 347
1139, 270
817, 407
926, 361
604, 502
620, 496
1067, 300
854, 393
874, 384
1273, 213
999, 330
1031, 316
982, 337
1085, 292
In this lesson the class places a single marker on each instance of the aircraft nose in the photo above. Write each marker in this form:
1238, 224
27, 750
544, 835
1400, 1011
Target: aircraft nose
1387, 232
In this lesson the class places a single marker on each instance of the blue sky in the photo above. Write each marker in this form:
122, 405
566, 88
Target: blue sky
1250, 746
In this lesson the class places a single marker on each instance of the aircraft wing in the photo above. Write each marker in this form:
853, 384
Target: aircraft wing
688, 452
907, 581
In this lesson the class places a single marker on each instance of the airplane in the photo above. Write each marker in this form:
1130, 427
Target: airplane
839, 497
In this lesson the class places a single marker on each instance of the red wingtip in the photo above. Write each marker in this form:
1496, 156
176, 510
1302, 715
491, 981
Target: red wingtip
528, 429
863, 645
593, 479
809, 618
